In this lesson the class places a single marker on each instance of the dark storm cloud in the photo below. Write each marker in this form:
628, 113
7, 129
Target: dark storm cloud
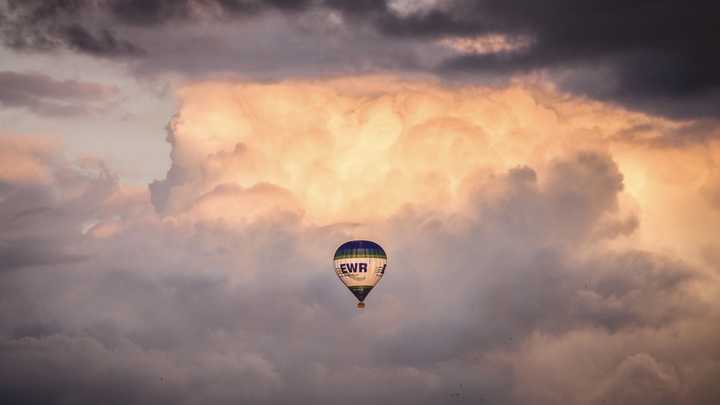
656, 56
88, 26
46, 25
150, 12
44, 95
101, 43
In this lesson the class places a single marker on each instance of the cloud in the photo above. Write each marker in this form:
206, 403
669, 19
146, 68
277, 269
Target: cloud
47, 25
100, 43
92, 26
43, 201
519, 224
625, 373
608, 52
26, 160
44, 95
398, 142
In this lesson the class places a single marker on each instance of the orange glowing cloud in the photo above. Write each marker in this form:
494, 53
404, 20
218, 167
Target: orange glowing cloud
362, 149
486, 44
24, 159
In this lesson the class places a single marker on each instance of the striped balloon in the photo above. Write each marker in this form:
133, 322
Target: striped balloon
360, 264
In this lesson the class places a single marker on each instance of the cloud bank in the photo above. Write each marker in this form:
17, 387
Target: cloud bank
44, 95
541, 249
657, 57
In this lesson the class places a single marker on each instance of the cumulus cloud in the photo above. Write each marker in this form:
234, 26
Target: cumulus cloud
525, 233
336, 144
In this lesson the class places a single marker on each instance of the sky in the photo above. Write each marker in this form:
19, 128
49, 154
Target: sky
175, 177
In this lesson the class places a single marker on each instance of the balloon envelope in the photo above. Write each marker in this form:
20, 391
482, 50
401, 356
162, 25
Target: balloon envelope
360, 264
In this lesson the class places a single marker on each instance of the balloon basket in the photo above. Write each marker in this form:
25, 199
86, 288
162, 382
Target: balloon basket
360, 305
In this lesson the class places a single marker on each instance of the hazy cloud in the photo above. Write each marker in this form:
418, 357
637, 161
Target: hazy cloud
42, 94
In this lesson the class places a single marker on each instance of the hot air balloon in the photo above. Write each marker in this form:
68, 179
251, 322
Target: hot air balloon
360, 264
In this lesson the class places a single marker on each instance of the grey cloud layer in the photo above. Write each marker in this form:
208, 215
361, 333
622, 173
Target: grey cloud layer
518, 303
44, 95
653, 56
